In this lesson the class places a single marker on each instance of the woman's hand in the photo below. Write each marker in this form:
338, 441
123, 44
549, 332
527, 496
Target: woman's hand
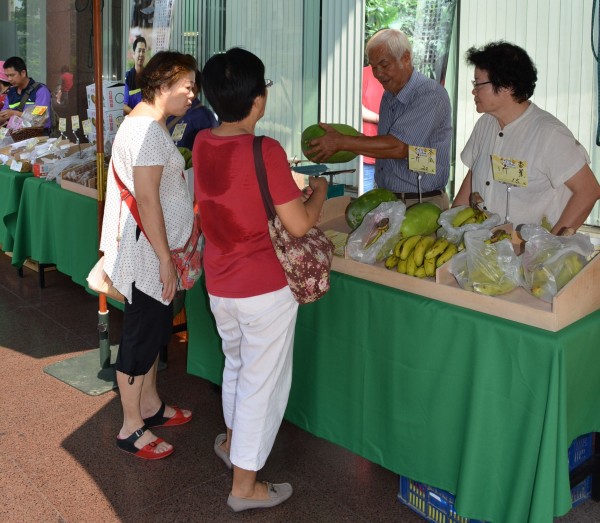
168, 278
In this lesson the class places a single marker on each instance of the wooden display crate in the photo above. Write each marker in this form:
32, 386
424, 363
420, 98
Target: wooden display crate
577, 299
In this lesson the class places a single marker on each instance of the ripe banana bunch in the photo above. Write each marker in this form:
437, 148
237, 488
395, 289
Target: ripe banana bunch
469, 215
420, 255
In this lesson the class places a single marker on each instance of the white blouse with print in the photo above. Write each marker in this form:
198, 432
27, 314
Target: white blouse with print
141, 141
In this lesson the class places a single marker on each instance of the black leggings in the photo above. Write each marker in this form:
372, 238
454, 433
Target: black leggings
147, 326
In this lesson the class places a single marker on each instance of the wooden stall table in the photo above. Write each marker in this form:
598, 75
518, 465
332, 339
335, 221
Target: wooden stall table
55, 226
11, 186
483, 407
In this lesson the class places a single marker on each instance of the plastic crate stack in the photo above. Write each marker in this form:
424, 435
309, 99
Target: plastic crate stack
437, 506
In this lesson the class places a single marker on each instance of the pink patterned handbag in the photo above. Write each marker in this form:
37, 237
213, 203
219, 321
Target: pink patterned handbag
306, 261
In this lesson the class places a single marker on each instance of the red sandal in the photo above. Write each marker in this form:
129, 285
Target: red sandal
159, 420
146, 452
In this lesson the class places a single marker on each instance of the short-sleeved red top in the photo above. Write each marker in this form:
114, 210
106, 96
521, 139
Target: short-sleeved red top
372, 91
239, 259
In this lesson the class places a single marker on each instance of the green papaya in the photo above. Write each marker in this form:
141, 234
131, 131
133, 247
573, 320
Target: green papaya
357, 209
316, 131
421, 219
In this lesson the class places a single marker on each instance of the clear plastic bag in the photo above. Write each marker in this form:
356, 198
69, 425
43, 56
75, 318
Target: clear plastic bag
550, 262
369, 242
490, 269
455, 234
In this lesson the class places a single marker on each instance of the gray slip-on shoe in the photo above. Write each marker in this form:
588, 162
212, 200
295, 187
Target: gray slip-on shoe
278, 493
220, 452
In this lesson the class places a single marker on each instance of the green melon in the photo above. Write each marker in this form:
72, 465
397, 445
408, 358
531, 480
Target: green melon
315, 131
420, 219
357, 209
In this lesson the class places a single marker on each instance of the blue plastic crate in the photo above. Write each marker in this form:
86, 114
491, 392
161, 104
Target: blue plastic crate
437, 506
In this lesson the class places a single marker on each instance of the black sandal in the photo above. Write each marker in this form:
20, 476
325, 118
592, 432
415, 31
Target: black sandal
147, 451
159, 420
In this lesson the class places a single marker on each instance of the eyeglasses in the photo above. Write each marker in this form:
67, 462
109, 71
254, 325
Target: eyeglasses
268, 83
478, 85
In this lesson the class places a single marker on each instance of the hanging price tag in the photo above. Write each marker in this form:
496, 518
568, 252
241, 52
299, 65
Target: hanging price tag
88, 128
3, 132
421, 159
62, 125
509, 170
75, 122
178, 132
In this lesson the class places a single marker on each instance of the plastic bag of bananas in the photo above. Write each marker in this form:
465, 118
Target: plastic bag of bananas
378, 227
550, 262
420, 256
456, 221
487, 268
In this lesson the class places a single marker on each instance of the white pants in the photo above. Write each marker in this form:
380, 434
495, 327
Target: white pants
258, 338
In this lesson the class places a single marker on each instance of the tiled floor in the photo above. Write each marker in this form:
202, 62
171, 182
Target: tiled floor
59, 462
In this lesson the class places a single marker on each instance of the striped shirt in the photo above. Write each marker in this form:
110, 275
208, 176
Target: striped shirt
420, 115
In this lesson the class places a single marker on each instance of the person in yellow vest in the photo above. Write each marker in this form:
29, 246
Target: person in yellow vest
133, 93
24, 91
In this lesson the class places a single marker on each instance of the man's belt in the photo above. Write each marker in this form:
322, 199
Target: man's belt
415, 195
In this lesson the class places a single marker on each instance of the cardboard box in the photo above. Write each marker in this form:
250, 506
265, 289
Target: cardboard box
111, 120
112, 96
92, 192
577, 299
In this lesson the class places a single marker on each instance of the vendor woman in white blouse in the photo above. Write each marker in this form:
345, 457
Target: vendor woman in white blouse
139, 264
560, 183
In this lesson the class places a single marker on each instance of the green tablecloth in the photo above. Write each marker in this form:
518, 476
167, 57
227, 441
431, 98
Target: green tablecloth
11, 185
482, 407
58, 227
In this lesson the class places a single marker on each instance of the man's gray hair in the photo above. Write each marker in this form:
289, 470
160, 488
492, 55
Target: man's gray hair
396, 42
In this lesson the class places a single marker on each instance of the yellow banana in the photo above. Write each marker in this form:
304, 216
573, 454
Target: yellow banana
408, 246
472, 219
391, 262
420, 272
437, 248
398, 247
462, 216
411, 266
401, 268
429, 265
480, 216
421, 247
450, 251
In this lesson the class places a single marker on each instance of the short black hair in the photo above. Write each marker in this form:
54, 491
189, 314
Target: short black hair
231, 81
139, 39
164, 68
508, 66
16, 63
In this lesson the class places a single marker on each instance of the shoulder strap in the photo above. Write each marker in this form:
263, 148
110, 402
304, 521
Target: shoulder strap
261, 175
174, 122
129, 200
26, 94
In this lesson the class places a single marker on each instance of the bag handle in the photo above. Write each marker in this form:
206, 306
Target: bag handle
261, 175
26, 94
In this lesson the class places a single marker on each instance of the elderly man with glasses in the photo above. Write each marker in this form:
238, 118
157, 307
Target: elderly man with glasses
415, 110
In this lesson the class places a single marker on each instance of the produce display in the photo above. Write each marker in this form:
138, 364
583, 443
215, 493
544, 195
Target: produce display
316, 131
187, 156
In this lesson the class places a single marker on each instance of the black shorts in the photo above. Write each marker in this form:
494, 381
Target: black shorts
147, 326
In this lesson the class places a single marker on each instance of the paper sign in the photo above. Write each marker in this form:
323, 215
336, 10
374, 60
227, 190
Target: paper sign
509, 170
39, 110
178, 132
421, 159
75, 122
31, 143
16, 166
62, 125
3, 132
88, 127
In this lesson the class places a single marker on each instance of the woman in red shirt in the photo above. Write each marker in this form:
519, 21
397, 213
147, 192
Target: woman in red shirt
254, 309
